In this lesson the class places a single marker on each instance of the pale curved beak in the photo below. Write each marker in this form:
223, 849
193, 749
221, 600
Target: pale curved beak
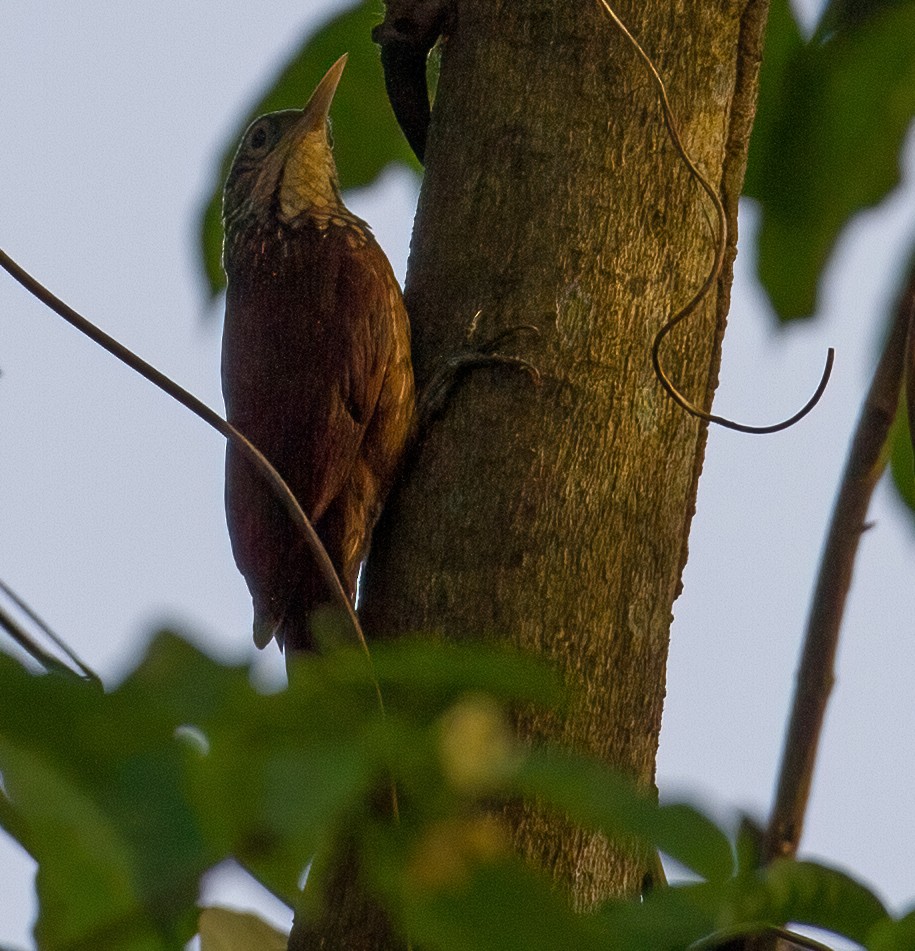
314, 115
308, 177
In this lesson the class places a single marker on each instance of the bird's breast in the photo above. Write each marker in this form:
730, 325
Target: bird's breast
296, 305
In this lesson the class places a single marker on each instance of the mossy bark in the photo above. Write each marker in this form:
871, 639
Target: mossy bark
557, 517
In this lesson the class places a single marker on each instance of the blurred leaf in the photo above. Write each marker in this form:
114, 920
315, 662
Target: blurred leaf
274, 806
801, 892
504, 906
893, 935
95, 795
597, 797
848, 14
428, 673
832, 120
667, 919
84, 878
366, 136
183, 765
125, 798
285, 772
748, 848
493, 906
222, 929
689, 836
784, 45
809, 894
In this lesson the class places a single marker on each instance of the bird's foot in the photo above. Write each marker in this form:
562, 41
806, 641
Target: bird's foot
450, 371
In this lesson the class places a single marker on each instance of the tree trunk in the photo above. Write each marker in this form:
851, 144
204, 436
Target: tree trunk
557, 518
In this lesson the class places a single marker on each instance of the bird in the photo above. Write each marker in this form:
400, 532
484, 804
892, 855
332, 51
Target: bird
316, 366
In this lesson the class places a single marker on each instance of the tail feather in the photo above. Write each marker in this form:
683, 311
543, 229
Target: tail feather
296, 631
265, 629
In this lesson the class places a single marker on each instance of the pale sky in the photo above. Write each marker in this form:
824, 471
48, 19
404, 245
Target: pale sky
112, 514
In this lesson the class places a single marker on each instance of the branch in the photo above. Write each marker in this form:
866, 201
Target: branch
866, 462
22, 638
278, 486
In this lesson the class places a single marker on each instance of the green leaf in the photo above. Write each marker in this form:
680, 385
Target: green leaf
491, 906
183, 765
783, 46
280, 801
794, 892
748, 846
689, 836
598, 797
810, 894
95, 795
832, 120
125, 798
849, 14
430, 674
366, 136
504, 906
85, 875
893, 935
667, 919
284, 773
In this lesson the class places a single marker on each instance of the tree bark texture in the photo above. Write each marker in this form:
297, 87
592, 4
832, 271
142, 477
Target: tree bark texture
557, 518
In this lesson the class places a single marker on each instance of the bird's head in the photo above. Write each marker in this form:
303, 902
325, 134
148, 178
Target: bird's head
284, 167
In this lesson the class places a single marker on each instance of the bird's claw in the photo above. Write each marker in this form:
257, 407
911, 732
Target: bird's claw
446, 376
511, 334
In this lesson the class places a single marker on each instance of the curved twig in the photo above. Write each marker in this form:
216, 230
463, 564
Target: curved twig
21, 637
27, 644
720, 250
213, 419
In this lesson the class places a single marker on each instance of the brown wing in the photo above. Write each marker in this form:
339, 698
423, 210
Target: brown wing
354, 294
306, 347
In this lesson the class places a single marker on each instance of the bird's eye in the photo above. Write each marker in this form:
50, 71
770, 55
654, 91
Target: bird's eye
258, 138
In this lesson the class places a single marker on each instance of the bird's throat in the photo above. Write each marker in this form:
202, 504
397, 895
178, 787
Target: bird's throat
309, 182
